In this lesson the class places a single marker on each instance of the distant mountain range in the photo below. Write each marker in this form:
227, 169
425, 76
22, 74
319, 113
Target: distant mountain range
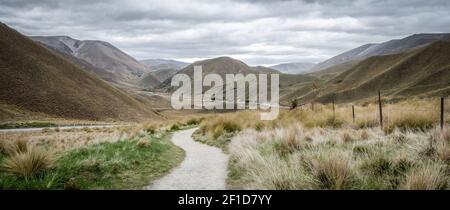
293, 68
158, 64
419, 68
101, 55
161, 69
35, 79
385, 48
64, 77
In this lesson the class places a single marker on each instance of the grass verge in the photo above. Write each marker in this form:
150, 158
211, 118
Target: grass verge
125, 164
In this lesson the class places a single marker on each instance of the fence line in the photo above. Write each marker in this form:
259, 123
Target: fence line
384, 110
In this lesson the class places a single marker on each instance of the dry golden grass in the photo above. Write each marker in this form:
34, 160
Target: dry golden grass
13, 147
64, 139
426, 177
418, 115
59, 140
332, 170
295, 157
4, 147
27, 163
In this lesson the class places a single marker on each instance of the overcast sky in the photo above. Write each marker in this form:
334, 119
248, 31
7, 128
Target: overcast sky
257, 32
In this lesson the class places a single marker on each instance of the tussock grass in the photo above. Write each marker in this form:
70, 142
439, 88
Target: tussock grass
332, 170
420, 115
417, 121
4, 147
20, 146
124, 163
323, 158
13, 147
427, 177
127, 156
28, 163
322, 149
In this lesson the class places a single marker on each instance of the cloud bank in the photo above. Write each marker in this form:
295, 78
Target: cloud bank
257, 32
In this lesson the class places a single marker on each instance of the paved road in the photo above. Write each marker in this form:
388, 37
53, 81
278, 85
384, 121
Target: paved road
204, 168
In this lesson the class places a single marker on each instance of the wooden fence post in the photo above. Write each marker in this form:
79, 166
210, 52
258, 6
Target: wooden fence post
353, 113
333, 108
442, 113
381, 109
312, 106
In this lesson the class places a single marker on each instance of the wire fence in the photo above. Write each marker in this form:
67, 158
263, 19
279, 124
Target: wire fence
434, 111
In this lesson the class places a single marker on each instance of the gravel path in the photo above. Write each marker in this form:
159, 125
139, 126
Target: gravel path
204, 168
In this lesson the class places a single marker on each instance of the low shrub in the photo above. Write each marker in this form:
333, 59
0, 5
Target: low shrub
193, 121
150, 129
175, 127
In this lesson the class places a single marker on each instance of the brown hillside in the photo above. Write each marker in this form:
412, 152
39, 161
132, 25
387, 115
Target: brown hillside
221, 66
424, 71
36, 79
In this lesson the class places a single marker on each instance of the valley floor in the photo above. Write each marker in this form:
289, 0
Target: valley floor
301, 149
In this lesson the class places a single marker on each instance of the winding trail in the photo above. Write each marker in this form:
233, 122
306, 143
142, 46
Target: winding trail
204, 168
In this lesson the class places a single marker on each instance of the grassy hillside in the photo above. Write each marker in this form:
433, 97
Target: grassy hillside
394, 46
154, 78
220, 66
423, 72
38, 80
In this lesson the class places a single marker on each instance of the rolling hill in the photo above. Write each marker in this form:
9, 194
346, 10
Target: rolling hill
224, 65
289, 83
36, 79
152, 79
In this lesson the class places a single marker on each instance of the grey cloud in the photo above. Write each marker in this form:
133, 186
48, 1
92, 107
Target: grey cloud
259, 32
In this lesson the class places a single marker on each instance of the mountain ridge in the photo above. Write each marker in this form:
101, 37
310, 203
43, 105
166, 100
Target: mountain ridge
419, 72
293, 68
99, 54
385, 48
37, 79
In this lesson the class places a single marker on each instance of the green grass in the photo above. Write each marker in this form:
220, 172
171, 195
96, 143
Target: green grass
27, 125
120, 165
236, 178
